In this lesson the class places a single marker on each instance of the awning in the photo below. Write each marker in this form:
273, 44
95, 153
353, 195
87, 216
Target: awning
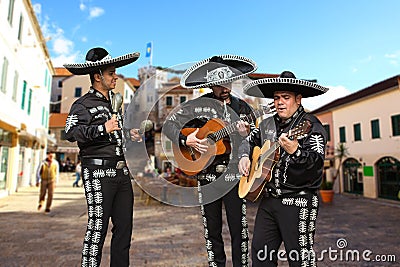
68, 149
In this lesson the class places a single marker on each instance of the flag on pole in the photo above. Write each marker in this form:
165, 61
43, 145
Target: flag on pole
148, 50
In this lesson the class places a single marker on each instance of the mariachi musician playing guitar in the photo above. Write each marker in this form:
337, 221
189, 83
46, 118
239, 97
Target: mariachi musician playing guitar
289, 206
205, 117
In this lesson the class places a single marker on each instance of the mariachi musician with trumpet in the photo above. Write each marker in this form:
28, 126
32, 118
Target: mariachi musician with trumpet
289, 203
95, 122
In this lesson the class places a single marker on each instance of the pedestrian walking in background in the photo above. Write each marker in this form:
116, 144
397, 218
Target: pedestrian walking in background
78, 170
47, 176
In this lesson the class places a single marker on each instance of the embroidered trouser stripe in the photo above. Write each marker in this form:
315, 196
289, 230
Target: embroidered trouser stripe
212, 221
288, 220
109, 194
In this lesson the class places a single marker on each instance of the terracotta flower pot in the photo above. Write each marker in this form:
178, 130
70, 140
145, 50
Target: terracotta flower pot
326, 195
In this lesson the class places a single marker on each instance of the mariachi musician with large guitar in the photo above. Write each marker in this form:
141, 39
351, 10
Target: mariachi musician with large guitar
282, 166
206, 133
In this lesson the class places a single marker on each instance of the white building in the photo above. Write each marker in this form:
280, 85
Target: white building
367, 122
25, 84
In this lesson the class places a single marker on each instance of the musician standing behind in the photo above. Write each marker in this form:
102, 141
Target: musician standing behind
217, 73
287, 213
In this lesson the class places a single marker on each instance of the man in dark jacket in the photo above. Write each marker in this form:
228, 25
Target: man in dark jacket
287, 213
216, 73
95, 122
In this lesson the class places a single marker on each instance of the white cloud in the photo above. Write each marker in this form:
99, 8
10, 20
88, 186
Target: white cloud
394, 55
393, 58
84, 39
58, 61
95, 12
37, 8
366, 60
333, 93
61, 48
82, 6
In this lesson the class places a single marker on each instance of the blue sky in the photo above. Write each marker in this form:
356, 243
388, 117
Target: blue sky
346, 45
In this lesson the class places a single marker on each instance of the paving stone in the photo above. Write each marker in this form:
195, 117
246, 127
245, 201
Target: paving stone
166, 235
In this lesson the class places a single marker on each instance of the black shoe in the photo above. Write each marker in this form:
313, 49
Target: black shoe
39, 207
47, 210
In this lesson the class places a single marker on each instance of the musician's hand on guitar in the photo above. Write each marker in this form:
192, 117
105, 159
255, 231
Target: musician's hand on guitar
244, 166
243, 127
196, 143
290, 146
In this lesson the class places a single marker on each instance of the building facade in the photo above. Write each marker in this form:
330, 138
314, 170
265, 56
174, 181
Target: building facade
25, 85
367, 123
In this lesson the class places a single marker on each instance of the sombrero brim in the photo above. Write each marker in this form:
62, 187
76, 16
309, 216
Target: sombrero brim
267, 86
88, 67
194, 77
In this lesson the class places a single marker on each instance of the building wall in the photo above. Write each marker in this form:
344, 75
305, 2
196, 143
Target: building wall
25, 83
368, 151
83, 81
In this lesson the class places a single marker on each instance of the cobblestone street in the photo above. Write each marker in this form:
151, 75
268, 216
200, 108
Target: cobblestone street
165, 235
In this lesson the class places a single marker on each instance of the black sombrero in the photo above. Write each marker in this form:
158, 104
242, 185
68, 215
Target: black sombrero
285, 82
217, 70
98, 58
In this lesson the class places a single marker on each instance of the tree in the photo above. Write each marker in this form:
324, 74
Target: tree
341, 152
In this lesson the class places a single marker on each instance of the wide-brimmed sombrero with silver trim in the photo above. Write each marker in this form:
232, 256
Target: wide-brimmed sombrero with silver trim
99, 58
217, 70
287, 81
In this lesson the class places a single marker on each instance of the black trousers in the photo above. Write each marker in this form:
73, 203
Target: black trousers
235, 209
290, 220
109, 194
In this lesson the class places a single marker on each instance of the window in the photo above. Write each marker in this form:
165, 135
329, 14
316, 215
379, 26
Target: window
168, 145
15, 87
10, 12
357, 132
182, 99
63, 135
375, 133
29, 101
60, 84
4, 76
342, 134
20, 28
169, 101
78, 91
23, 96
396, 125
328, 131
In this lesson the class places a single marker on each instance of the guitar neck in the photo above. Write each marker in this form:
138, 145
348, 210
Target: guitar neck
218, 135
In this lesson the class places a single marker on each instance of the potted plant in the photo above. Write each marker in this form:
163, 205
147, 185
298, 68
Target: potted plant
326, 188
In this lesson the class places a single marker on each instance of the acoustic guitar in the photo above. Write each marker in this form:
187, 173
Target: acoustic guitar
263, 162
190, 161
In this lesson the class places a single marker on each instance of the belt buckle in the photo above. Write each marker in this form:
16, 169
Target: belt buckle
97, 162
220, 168
120, 164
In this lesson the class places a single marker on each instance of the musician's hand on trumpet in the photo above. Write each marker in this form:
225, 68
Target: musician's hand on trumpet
112, 125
